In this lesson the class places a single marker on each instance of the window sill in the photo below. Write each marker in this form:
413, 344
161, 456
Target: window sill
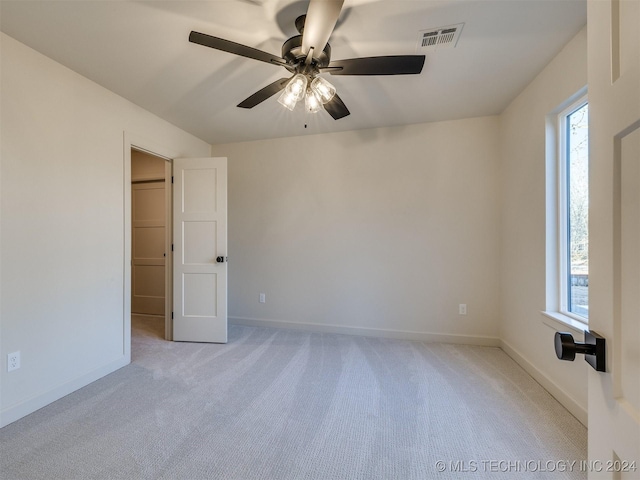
558, 321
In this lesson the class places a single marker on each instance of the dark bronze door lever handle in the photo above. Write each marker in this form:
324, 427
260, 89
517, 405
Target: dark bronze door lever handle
593, 349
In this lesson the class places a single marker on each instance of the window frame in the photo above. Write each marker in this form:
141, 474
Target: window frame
564, 249
557, 222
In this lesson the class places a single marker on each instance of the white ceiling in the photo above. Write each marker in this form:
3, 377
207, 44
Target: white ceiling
140, 50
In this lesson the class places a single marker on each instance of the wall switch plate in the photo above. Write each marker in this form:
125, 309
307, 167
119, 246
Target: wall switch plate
263, 298
462, 309
13, 361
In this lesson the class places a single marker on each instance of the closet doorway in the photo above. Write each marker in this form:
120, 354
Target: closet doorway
151, 238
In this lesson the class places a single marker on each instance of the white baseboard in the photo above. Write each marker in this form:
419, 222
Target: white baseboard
370, 332
549, 385
22, 409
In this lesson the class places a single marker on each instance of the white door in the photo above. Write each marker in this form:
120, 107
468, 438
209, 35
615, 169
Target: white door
200, 249
614, 233
148, 248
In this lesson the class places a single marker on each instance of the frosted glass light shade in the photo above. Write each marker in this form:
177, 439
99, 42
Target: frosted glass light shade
297, 86
293, 92
288, 100
312, 103
323, 89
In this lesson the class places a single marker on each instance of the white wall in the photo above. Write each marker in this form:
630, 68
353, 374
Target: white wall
526, 334
62, 225
380, 232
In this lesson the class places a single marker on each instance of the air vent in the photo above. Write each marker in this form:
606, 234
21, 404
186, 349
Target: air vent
441, 37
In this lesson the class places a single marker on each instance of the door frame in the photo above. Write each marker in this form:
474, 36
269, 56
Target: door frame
133, 141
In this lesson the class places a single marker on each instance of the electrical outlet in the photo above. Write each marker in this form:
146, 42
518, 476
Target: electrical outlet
263, 298
462, 309
13, 361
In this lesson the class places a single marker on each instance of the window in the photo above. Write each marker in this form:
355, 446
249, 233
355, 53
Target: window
572, 135
567, 219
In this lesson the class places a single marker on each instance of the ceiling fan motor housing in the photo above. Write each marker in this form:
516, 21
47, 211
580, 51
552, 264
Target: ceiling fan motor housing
292, 53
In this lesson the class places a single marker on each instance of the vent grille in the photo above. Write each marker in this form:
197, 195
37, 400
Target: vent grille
441, 37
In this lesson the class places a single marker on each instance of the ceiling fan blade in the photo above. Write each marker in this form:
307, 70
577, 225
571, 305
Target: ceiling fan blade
322, 16
264, 93
336, 108
235, 48
389, 65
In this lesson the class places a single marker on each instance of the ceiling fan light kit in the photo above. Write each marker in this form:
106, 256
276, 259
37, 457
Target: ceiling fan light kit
318, 93
306, 56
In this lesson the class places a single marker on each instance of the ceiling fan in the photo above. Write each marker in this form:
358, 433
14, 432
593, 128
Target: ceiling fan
308, 55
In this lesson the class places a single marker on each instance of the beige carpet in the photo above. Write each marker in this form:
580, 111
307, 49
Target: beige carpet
280, 404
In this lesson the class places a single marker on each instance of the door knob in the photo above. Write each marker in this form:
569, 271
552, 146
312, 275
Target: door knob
593, 349
221, 259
